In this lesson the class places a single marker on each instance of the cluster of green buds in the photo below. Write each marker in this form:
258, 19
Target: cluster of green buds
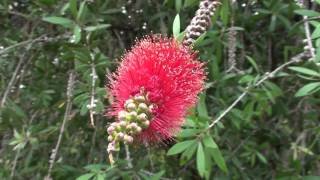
132, 121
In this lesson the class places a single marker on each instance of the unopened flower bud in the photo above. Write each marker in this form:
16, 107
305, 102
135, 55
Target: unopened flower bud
142, 117
133, 114
128, 102
122, 115
122, 124
134, 125
151, 107
110, 129
146, 124
140, 99
114, 124
143, 107
131, 107
128, 139
120, 135
138, 129
110, 138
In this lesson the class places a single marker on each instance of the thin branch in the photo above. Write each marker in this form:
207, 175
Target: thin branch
13, 79
66, 117
30, 41
304, 4
92, 104
308, 36
13, 169
267, 75
42, 38
152, 174
128, 157
93, 142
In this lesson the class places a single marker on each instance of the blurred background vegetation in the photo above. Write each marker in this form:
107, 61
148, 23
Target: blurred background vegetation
55, 54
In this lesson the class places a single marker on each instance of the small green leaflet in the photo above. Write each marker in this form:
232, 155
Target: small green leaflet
97, 27
208, 142
179, 147
59, 20
308, 89
218, 158
305, 71
176, 26
305, 12
201, 164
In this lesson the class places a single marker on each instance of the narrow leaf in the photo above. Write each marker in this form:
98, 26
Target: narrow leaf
179, 147
176, 26
305, 71
308, 89
58, 20
218, 158
201, 164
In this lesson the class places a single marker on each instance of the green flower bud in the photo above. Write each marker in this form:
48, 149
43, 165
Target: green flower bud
120, 135
110, 129
143, 107
122, 115
133, 114
142, 117
146, 124
128, 139
138, 129
128, 102
122, 124
131, 107
110, 138
139, 98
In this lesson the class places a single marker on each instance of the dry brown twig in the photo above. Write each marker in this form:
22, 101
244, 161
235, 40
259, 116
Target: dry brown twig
54, 153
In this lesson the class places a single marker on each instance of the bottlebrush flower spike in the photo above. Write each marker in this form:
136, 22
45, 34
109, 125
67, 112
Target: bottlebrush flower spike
155, 85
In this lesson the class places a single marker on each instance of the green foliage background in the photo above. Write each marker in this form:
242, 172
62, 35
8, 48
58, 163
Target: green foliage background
272, 133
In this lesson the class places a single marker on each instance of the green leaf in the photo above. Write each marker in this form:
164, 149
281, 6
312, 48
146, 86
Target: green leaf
316, 33
201, 164
189, 152
87, 176
253, 63
310, 177
157, 176
262, 158
82, 11
218, 158
178, 5
188, 3
179, 147
176, 26
76, 34
308, 89
100, 176
305, 71
73, 7
209, 142
188, 132
59, 20
225, 12
305, 12
97, 27
202, 107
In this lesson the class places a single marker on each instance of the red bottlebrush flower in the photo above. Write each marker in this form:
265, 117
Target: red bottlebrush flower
168, 75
